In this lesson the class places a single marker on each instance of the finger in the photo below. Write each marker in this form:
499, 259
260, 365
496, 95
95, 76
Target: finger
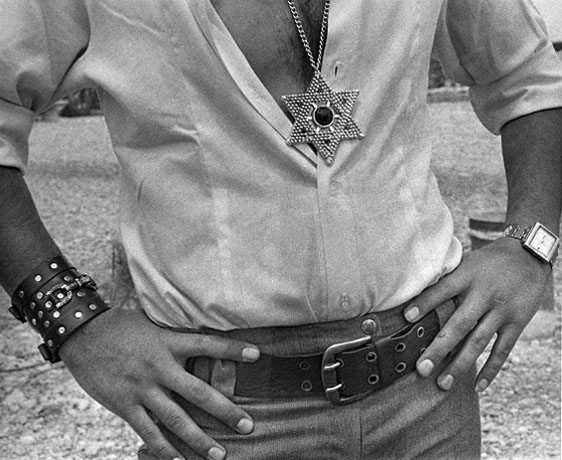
188, 345
453, 332
207, 398
507, 337
446, 288
151, 435
179, 423
474, 346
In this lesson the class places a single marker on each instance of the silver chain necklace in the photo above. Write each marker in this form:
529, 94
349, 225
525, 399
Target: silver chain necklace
315, 65
322, 116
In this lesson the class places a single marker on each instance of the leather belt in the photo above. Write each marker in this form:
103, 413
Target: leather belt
345, 372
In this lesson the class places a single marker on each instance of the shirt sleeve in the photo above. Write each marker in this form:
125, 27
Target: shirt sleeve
500, 49
39, 42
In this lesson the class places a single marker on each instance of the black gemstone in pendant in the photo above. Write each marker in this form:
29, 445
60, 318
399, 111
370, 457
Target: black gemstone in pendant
323, 116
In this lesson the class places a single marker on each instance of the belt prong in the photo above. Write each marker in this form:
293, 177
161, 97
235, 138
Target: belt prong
339, 386
332, 366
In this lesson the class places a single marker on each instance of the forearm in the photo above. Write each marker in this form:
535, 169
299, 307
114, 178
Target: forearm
24, 241
532, 150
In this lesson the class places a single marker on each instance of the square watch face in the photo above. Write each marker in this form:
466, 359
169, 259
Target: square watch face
542, 242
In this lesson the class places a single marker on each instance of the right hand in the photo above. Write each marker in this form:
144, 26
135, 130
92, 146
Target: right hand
131, 366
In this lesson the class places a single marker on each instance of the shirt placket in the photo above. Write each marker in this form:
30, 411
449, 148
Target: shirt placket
337, 236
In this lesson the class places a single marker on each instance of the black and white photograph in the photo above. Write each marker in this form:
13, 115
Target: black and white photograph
280, 229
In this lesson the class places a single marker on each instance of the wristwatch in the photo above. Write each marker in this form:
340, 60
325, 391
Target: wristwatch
537, 239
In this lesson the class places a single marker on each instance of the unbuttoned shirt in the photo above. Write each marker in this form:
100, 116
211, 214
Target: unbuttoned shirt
227, 226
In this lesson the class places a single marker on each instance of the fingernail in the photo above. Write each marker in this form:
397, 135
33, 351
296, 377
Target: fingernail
482, 385
425, 368
245, 426
250, 353
216, 453
446, 382
412, 313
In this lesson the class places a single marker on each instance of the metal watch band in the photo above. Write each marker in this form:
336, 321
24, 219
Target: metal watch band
513, 231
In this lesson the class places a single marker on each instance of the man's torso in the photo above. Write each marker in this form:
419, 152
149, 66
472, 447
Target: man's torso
224, 224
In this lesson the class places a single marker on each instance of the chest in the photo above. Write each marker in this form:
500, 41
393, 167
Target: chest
265, 32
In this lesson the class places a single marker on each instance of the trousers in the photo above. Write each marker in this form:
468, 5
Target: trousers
410, 419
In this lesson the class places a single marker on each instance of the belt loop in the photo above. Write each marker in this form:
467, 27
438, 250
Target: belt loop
200, 367
223, 376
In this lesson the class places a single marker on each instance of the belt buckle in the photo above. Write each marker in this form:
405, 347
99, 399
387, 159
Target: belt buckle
329, 365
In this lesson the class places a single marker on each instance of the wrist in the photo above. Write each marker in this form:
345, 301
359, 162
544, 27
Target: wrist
78, 344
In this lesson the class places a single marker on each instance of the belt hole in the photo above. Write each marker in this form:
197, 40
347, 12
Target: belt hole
306, 386
400, 347
371, 357
373, 379
422, 351
400, 367
421, 331
304, 365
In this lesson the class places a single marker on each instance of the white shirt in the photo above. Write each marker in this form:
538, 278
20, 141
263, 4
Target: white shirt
224, 224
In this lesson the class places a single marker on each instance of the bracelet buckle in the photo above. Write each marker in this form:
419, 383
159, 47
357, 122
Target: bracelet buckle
62, 293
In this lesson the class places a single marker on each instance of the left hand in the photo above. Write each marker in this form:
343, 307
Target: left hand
499, 287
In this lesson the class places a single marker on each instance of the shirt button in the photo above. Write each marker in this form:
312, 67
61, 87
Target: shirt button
334, 187
344, 301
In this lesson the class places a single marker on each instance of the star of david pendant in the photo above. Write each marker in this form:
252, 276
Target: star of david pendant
322, 117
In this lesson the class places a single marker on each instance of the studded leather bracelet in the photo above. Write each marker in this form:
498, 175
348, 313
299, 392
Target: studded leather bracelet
56, 300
